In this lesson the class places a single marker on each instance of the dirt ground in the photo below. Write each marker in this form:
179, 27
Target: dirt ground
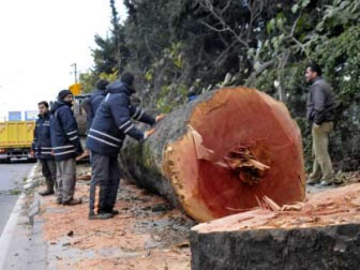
147, 234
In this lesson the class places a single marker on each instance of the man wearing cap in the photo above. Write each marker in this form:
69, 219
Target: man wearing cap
112, 122
41, 148
66, 147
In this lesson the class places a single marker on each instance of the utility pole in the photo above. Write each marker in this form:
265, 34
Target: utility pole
75, 71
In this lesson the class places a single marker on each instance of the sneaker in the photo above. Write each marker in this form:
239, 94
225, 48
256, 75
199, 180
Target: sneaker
326, 183
73, 202
100, 216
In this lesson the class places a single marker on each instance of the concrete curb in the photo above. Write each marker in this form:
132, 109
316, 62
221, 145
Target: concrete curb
7, 234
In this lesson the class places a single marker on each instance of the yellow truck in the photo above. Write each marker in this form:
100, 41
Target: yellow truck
16, 138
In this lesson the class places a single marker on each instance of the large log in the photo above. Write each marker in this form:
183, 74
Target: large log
321, 234
221, 153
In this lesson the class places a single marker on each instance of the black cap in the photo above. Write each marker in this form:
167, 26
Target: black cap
127, 78
101, 84
64, 93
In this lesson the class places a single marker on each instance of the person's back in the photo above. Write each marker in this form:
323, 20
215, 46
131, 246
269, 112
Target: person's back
96, 98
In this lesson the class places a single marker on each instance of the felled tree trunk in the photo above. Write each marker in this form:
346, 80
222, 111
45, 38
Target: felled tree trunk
220, 153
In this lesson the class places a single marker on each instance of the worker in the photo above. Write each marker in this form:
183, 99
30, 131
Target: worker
92, 102
66, 147
110, 126
41, 148
320, 114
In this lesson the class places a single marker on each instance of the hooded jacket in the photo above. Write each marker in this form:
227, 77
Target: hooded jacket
112, 121
42, 141
320, 103
64, 132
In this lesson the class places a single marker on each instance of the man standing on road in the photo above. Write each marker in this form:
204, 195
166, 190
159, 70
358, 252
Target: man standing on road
66, 147
320, 113
110, 126
41, 148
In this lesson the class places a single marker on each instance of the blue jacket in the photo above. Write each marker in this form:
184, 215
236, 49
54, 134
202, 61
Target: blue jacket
112, 121
42, 141
64, 132
94, 102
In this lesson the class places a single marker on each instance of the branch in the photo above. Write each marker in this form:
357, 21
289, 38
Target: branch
250, 81
292, 36
208, 5
213, 28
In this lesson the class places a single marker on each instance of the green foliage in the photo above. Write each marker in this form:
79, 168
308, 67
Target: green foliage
171, 96
173, 45
88, 79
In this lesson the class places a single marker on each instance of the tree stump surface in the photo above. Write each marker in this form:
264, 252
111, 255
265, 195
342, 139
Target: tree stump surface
221, 153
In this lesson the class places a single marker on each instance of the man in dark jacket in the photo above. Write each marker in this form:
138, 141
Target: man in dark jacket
320, 113
92, 103
108, 130
66, 147
41, 148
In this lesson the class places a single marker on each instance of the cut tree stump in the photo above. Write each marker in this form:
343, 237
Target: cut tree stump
220, 153
321, 234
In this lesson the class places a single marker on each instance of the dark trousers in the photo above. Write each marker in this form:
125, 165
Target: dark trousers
49, 171
104, 184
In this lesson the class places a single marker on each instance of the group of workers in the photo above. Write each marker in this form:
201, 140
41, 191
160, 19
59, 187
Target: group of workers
110, 119
57, 143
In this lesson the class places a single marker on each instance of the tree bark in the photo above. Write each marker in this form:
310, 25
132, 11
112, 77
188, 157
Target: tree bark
220, 153
318, 248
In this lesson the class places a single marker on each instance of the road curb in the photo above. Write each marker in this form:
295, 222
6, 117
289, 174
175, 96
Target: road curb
9, 229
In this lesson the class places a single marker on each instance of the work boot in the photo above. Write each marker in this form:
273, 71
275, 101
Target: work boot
49, 189
100, 216
312, 182
46, 192
113, 212
72, 202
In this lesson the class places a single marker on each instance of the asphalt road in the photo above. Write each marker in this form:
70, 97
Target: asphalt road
11, 181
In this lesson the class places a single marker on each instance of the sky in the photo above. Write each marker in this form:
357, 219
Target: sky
40, 40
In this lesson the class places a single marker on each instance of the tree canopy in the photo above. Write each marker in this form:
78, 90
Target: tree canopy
175, 45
